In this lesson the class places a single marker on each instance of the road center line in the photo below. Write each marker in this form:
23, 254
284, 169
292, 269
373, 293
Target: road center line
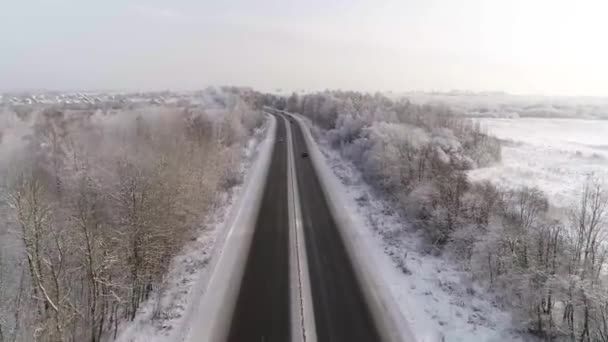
304, 329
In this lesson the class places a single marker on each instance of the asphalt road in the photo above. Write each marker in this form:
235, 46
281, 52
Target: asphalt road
262, 312
262, 308
341, 314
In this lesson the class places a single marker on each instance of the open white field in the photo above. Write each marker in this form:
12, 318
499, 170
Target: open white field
556, 155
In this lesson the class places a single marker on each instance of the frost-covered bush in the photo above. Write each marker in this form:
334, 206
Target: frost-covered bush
416, 154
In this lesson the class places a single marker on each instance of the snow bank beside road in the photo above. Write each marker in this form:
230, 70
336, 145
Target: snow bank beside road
167, 315
431, 293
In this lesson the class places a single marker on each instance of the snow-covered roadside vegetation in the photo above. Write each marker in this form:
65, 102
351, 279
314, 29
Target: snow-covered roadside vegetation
428, 290
172, 309
548, 273
97, 202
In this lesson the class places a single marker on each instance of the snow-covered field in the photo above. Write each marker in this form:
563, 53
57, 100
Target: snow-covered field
502, 105
556, 155
433, 295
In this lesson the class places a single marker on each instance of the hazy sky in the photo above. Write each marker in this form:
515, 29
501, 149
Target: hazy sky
521, 46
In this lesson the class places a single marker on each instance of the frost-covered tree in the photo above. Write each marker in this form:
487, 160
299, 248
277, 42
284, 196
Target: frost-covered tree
548, 271
98, 202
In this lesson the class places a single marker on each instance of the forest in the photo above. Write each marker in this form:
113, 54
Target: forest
97, 199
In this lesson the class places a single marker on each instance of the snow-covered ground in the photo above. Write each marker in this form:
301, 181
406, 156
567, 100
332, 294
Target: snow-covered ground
556, 155
434, 297
163, 315
502, 105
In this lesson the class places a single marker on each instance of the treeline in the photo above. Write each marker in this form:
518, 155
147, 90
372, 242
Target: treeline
548, 272
96, 204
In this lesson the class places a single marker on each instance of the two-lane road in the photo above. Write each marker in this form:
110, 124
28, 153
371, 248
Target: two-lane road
263, 306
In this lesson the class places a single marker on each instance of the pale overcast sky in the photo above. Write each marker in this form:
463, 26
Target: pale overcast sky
552, 47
